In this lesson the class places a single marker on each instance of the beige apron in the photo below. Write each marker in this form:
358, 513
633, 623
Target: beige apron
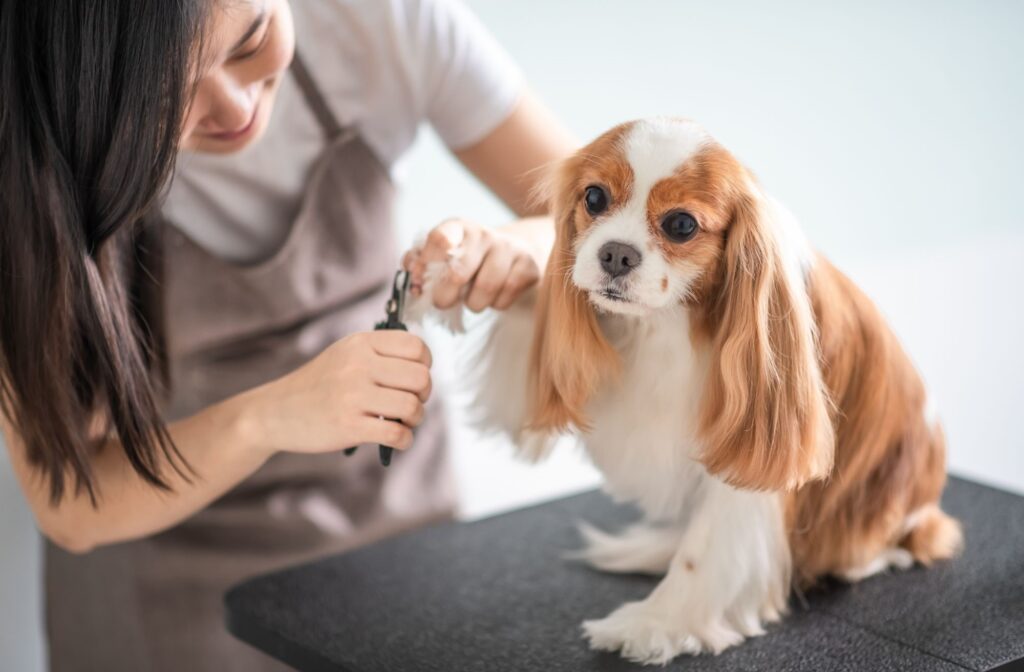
156, 604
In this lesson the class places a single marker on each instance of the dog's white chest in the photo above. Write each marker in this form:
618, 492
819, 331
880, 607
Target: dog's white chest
644, 426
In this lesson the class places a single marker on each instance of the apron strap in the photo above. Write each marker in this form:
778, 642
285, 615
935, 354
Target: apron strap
311, 92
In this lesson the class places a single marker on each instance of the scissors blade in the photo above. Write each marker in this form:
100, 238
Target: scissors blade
401, 291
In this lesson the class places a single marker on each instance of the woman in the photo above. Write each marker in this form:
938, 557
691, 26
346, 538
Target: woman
248, 290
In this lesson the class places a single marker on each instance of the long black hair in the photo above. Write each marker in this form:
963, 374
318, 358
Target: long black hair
93, 95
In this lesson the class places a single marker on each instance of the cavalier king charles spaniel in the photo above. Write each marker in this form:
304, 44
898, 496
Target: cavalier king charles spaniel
726, 379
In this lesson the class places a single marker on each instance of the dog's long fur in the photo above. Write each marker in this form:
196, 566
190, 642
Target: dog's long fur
742, 391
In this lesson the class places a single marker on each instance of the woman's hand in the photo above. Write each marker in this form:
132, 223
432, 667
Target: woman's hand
490, 268
341, 398
335, 401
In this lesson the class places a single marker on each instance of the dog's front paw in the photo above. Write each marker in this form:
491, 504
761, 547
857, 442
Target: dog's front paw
641, 635
420, 306
648, 636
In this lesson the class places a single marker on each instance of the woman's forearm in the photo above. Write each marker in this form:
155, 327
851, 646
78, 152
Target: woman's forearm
219, 444
340, 398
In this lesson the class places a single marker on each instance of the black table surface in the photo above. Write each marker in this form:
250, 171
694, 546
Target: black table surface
494, 595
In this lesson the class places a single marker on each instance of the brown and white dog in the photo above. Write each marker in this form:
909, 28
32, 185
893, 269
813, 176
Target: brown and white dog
725, 378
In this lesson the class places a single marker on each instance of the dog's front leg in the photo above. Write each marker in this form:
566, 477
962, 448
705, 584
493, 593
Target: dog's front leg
497, 356
729, 576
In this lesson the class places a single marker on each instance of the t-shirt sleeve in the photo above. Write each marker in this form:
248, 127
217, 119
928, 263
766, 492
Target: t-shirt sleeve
464, 83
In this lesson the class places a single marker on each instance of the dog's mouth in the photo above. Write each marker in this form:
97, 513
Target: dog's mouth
614, 300
613, 294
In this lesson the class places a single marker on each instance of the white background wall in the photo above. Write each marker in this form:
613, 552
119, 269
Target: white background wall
892, 130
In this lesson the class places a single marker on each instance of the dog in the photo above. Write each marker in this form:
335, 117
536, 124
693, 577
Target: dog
726, 379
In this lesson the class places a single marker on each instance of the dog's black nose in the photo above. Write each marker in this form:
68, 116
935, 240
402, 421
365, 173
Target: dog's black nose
618, 258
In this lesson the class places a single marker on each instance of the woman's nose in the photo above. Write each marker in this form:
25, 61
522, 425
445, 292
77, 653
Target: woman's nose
231, 106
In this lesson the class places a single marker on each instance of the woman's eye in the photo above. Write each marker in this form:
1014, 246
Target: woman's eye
596, 200
679, 226
253, 45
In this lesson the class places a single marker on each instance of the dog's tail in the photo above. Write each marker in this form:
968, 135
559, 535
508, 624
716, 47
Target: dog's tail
934, 536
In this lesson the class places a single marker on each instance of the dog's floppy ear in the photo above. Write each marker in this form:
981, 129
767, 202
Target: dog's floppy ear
765, 421
569, 356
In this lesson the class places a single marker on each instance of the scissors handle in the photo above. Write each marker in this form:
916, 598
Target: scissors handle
395, 308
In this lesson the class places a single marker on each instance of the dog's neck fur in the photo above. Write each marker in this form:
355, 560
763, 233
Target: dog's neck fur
644, 423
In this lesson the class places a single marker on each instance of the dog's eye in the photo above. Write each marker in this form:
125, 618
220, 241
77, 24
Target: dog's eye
596, 200
679, 226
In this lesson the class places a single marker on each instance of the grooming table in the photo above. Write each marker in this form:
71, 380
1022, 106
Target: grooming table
494, 595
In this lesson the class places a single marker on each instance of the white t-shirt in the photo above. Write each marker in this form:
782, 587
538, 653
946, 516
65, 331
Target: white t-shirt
384, 66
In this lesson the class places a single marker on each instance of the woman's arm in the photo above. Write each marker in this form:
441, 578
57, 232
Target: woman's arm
511, 160
501, 263
217, 443
335, 401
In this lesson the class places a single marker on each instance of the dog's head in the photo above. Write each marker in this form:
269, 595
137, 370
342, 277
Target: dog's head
653, 215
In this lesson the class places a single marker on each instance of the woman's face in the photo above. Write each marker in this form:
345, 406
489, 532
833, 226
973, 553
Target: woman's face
249, 45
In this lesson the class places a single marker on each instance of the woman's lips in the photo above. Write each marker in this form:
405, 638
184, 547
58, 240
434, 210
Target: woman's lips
239, 133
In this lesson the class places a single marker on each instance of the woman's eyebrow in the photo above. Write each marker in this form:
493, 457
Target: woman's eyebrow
257, 22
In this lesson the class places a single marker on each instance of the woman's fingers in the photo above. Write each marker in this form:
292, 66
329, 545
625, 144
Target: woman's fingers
462, 266
443, 239
383, 402
441, 243
372, 429
483, 267
405, 375
402, 345
522, 275
491, 277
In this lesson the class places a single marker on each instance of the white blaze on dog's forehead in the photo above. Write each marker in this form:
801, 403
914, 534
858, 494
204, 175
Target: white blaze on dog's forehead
657, 148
